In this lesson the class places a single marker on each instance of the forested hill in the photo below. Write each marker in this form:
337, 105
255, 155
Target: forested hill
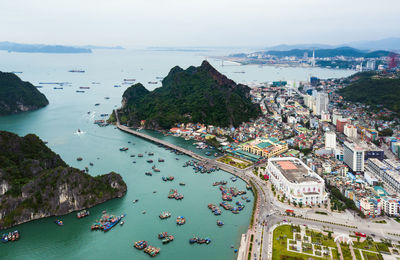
18, 96
373, 90
197, 94
36, 183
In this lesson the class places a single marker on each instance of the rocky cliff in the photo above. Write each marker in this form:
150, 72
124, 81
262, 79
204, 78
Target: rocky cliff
18, 96
36, 183
197, 94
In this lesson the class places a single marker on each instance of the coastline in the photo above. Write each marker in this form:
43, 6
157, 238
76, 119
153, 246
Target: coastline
240, 173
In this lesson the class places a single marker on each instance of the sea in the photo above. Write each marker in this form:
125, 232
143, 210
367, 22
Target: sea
67, 124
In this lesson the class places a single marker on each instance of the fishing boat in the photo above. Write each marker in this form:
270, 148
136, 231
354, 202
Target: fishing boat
162, 235
156, 169
248, 187
135, 201
122, 222
152, 251
160, 160
182, 184
150, 154
180, 220
80, 91
140, 244
148, 174
165, 214
91, 164
123, 149
220, 223
140, 155
10, 237
132, 155
59, 222
168, 239
82, 214
233, 179
149, 161
193, 240
79, 159
78, 71
84, 87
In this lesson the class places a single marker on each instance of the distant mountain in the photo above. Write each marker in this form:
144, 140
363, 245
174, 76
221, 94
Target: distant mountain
323, 53
197, 94
92, 47
18, 47
310, 46
18, 96
36, 183
390, 44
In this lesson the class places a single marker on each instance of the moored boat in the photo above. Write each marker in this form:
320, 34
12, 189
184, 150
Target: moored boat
10, 237
82, 214
152, 251
180, 220
59, 222
140, 244
165, 214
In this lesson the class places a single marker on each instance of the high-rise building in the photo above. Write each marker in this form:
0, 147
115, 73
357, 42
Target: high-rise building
371, 64
353, 156
340, 123
350, 131
330, 140
321, 103
325, 116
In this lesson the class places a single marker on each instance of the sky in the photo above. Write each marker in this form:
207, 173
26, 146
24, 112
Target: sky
179, 23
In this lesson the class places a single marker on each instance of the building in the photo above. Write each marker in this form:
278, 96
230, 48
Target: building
296, 180
371, 65
325, 116
390, 206
265, 147
353, 156
388, 171
350, 131
321, 103
330, 140
340, 123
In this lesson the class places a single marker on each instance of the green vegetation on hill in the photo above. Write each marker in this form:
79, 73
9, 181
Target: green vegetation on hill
197, 94
35, 182
17, 95
374, 91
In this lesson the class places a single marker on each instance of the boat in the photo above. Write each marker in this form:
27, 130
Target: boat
132, 155
123, 149
149, 161
165, 214
193, 240
58, 88
82, 214
143, 212
248, 187
162, 235
233, 179
80, 91
160, 160
140, 155
135, 201
156, 169
180, 220
122, 222
140, 244
168, 239
220, 223
129, 79
148, 174
208, 153
117, 86
91, 164
84, 87
182, 184
152, 82
152, 251
97, 104
77, 71
79, 159
150, 154
10, 237
106, 97
59, 222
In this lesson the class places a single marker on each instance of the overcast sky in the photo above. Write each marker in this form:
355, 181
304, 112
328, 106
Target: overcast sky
142, 23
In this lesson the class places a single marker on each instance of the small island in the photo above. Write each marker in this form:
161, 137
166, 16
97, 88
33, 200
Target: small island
197, 95
36, 183
18, 96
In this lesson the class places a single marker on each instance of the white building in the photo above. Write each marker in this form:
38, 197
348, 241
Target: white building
330, 140
321, 102
335, 116
350, 131
353, 156
296, 180
371, 65
325, 116
390, 206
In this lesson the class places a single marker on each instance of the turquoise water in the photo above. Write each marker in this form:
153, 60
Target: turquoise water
68, 111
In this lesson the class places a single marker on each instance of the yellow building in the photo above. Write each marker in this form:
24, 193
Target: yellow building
265, 147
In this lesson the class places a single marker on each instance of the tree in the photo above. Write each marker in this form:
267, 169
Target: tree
300, 204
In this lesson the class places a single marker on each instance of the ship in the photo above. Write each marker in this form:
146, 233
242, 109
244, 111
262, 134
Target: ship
77, 71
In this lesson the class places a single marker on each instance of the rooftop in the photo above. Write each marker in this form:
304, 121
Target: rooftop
295, 171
